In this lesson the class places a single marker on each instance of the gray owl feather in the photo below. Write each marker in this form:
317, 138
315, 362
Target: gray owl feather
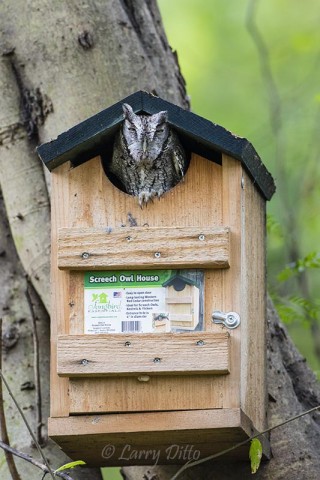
148, 158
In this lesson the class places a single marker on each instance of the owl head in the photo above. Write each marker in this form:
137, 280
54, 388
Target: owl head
145, 135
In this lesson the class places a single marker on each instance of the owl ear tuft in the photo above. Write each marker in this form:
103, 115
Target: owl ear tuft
128, 112
161, 117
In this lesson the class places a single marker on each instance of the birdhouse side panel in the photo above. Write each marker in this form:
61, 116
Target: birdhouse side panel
253, 288
60, 201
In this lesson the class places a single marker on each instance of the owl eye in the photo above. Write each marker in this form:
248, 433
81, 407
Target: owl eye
160, 129
132, 129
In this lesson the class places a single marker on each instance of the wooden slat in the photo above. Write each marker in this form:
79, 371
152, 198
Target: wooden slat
254, 399
125, 354
160, 393
205, 431
149, 422
176, 300
59, 402
143, 247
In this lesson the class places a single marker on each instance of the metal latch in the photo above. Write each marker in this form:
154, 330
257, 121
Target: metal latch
229, 320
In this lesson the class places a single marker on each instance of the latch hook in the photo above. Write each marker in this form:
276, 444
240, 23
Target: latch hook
230, 320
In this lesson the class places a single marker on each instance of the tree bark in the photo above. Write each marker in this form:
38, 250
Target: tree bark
61, 62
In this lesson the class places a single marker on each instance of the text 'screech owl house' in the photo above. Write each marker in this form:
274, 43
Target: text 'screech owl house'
158, 286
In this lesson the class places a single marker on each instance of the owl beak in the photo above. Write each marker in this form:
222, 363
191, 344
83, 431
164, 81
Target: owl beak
144, 146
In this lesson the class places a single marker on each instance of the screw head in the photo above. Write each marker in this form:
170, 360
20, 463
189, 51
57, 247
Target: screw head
232, 320
84, 361
85, 255
127, 344
200, 343
156, 360
129, 238
201, 237
157, 255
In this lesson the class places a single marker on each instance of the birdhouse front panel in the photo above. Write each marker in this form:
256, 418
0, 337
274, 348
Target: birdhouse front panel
189, 393
158, 304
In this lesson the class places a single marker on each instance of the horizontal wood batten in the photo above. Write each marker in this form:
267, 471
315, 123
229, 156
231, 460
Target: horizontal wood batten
138, 422
143, 247
131, 354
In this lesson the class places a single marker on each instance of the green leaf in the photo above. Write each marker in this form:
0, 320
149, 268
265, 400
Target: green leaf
286, 273
70, 465
255, 454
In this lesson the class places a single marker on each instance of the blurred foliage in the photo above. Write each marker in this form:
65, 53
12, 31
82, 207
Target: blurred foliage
270, 94
310, 261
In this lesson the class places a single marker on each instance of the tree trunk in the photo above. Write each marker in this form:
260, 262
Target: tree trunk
61, 62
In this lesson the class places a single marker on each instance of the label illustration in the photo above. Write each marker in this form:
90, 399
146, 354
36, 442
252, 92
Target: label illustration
143, 301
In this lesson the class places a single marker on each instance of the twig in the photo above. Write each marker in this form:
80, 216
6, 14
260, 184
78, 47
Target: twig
28, 426
3, 424
223, 452
31, 460
37, 378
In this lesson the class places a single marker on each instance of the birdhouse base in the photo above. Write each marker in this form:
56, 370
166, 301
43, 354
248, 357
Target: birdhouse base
155, 437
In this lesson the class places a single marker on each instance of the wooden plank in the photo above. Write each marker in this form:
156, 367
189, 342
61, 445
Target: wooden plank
253, 287
59, 404
76, 303
147, 422
152, 354
164, 392
153, 437
143, 247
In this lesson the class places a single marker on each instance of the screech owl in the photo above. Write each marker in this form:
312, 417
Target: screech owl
148, 158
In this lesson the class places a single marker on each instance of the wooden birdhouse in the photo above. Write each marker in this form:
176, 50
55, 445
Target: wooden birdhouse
158, 310
183, 302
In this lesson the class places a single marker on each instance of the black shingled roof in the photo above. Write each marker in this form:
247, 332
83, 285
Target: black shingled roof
90, 138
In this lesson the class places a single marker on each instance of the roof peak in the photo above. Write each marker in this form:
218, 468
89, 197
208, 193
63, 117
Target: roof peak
87, 139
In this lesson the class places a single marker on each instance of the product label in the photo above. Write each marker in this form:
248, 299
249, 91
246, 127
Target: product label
143, 301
